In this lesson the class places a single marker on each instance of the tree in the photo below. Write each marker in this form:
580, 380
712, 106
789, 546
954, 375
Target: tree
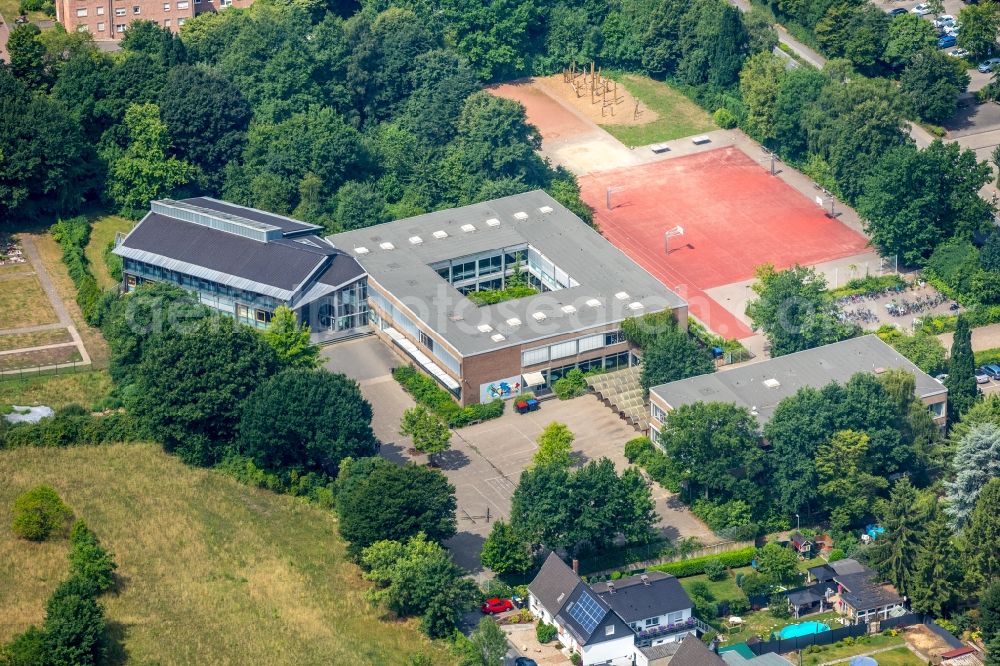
26, 649
714, 448
961, 382
290, 340
555, 444
937, 578
977, 460
75, 629
38, 513
190, 386
143, 171
794, 310
359, 205
491, 642
27, 55
847, 483
377, 499
895, 553
982, 534
504, 552
909, 34
924, 350
989, 611
778, 564
989, 254
306, 421
915, 199
419, 578
430, 434
980, 23
89, 561
760, 83
800, 89
931, 83
159, 42
986, 410
673, 355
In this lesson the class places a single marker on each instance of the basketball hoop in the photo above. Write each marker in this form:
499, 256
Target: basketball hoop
612, 190
670, 233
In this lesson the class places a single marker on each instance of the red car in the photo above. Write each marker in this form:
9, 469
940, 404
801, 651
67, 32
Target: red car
496, 606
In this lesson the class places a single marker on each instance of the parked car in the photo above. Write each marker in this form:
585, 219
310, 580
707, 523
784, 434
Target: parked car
525, 661
988, 65
898, 11
944, 20
952, 30
958, 53
993, 370
922, 9
981, 376
946, 41
496, 605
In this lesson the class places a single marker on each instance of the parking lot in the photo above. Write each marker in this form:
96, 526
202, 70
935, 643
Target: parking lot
486, 460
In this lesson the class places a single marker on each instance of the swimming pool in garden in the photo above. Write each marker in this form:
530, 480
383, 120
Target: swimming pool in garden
803, 629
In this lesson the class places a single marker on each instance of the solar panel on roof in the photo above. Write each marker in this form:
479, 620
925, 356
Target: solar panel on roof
587, 612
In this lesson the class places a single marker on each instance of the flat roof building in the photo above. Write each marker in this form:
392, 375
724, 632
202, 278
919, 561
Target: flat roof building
761, 386
422, 269
107, 20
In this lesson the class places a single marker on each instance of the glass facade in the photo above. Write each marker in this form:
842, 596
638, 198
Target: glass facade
342, 310
488, 270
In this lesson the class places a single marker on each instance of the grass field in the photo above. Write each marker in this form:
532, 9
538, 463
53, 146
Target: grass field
10, 11
32, 359
901, 656
86, 388
36, 339
211, 571
677, 115
720, 589
23, 302
762, 623
102, 232
830, 653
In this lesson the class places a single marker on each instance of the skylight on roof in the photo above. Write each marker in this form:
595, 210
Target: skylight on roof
513, 321
568, 309
521, 216
493, 222
468, 228
484, 328
538, 316
416, 240
545, 209
772, 383
387, 246
593, 302
635, 305
361, 250
496, 337
439, 234
622, 295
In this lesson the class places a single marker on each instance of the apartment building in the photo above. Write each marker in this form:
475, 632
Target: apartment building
109, 19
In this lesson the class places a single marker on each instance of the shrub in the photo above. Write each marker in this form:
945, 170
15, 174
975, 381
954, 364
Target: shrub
72, 236
739, 605
573, 385
27, 649
88, 560
38, 513
576, 659
73, 426
700, 589
724, 118
835, 554
696, 565
715, 569
616, 575
426, 392
778, 606
545, 632
497, 588
638, 448
75, 630
708, 637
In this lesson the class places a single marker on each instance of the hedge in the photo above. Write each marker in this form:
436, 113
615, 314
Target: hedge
426, 392
72, 236
72, 426
696, 565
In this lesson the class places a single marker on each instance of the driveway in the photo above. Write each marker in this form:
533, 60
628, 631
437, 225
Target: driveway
486, 460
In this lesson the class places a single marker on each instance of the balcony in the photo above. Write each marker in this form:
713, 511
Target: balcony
645, 637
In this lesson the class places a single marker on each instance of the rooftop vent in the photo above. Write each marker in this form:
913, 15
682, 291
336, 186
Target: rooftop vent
645, 579
772, 383
496, 337
611, 587
593, 303
545, 209
484, 328
439, 234
520, 215
416, 240
493, 222
361, 250
387, 246
753, 410
468, 228
635, 305
538, 316
622, 295
569, 309
513, 321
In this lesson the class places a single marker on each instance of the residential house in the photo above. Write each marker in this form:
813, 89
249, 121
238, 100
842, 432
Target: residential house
610, 622
689, 651
857, 591
803, 545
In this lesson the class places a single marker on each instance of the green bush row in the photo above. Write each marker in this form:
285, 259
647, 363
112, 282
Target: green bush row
696, 565
988, 356
980, 316
868, 284
426, 392
72, 236
72, 426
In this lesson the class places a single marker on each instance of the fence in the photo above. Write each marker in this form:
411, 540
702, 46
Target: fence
633, 557
783, 645
901, 621
44, 370
945, 635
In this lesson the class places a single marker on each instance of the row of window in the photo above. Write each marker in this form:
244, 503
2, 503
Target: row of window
570, 348
672, 618
245, 314
199, 284
82, 12
400, 320
121, 27
605, 363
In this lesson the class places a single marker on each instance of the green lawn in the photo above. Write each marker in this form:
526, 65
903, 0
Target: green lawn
901, 656
866, 644
85, 388
103, 231
23, 302
210, 571
677, 115
762, 624
10, 11
720, 589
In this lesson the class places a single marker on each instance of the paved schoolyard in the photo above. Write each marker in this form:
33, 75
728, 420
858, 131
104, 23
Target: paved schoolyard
486, 460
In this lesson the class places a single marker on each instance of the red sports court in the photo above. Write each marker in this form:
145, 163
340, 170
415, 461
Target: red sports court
735, 216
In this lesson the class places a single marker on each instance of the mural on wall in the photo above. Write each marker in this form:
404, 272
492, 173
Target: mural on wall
502, 388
